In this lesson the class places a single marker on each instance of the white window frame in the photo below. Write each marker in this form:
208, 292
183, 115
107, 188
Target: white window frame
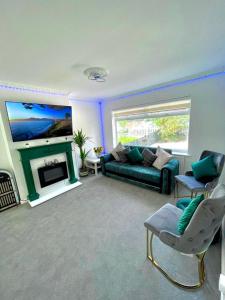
124, 115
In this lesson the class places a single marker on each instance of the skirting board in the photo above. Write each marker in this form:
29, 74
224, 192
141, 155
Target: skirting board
54, 194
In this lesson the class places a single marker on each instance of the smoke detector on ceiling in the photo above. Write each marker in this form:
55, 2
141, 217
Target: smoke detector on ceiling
97, 74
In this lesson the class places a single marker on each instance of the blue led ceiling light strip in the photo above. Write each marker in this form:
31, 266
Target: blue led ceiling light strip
94, 101
35, 91
102, 126
146, 91
169, 85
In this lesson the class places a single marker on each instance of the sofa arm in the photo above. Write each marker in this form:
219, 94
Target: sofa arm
104, 159
168, 173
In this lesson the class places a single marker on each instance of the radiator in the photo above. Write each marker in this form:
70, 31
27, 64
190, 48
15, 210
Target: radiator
183, 162
8, 190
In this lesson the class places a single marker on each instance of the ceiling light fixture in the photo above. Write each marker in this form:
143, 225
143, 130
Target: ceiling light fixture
97, 74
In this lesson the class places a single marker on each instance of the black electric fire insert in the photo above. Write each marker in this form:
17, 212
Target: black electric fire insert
52, 174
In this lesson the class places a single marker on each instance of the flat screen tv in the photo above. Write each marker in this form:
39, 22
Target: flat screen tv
29, 121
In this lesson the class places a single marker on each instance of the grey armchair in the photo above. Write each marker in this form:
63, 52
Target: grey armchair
205, 186
196, 238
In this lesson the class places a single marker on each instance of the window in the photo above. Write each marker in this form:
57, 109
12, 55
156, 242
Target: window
166, 125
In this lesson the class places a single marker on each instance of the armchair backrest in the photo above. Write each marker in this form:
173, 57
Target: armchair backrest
218, 158
205, 222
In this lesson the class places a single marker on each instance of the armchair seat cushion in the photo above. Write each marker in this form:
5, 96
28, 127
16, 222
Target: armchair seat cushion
140, 172
166, 218
191, 183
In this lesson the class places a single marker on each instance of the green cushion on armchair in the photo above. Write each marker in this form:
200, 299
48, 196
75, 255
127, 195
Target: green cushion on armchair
188, 213
204, 168
183, 203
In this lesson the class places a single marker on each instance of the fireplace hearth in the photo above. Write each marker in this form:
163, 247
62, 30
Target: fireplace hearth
52, 174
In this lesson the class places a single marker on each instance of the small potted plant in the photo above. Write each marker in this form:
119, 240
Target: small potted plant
98, 151
80, 140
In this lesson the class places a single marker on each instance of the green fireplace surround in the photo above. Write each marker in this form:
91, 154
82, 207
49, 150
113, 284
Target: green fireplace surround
27, 154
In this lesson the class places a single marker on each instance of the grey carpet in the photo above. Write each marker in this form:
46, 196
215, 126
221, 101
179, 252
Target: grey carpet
89, 243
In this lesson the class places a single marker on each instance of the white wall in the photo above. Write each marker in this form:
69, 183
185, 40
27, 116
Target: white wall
83, 116
5, 158
207, 123
86, 116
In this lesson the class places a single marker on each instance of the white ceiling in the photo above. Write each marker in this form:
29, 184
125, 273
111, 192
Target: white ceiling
141, 43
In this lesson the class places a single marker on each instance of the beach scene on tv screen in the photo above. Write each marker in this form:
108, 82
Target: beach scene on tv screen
36, 121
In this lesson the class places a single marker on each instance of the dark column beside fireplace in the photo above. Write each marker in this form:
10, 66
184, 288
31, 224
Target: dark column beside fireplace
52, 174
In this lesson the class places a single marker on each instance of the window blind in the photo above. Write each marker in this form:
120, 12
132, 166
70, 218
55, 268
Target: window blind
169, 108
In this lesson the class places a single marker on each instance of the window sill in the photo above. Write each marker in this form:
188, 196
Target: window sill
181, 154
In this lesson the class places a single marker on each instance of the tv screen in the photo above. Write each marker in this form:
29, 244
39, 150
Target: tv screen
29, 121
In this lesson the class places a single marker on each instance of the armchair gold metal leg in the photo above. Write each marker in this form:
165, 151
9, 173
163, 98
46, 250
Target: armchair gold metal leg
176, 193
201, 266
147, 243
176, 190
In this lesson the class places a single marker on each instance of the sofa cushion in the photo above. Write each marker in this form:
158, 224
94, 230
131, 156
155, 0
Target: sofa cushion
148, 174
134, 156
162, 158
118, 148
153, 149
149, 157
123, 155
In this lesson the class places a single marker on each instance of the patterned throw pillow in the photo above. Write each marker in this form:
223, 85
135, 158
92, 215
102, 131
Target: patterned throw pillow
118, 148
162, 158
123, 155
149, 157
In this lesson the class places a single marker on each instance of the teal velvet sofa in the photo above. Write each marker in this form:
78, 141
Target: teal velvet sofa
161, 180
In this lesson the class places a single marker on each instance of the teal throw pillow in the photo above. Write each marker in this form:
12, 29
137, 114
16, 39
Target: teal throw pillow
183, 203
134, 156
188, 213
204, 168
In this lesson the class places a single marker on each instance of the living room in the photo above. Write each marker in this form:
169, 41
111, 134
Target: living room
84, 237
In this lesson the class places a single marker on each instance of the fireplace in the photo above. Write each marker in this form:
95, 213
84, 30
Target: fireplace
52, 173
28, 154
